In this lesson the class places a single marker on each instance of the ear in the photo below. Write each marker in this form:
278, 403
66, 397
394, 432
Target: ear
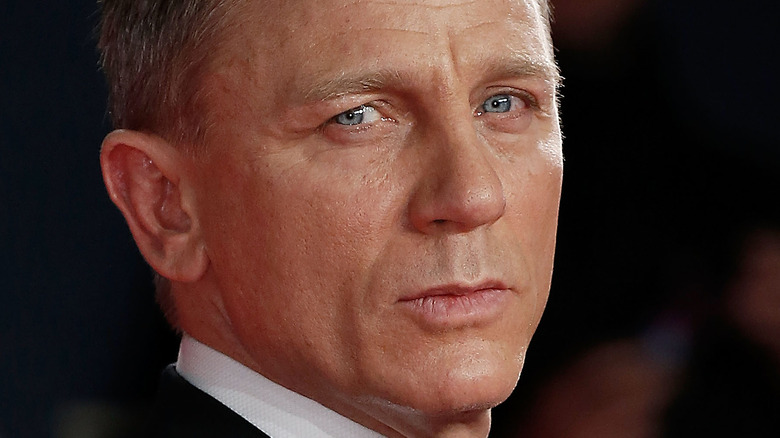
147, 179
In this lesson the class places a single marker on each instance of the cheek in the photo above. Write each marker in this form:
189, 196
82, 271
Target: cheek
534, 189
292, 237
307, 261
534, 195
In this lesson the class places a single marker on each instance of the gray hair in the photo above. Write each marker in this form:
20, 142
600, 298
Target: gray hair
152, 53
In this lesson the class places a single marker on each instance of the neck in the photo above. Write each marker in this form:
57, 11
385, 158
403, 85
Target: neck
395, 421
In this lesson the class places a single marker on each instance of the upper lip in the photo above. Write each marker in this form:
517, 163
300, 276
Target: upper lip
456, 289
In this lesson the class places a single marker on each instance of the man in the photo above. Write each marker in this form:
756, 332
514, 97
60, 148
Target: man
352, 203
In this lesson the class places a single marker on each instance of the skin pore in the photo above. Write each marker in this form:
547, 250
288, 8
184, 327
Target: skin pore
371, 221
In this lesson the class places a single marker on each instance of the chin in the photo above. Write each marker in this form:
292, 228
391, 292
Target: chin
479, 394
447, 374
470, 388
457, 387
460, 403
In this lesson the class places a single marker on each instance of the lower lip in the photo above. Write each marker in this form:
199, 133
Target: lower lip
475, 308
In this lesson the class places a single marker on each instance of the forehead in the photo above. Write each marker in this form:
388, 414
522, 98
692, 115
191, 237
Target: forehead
273, 10
285, 49
424, 16
304, 32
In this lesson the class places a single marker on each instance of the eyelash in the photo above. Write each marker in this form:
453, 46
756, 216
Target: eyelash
527, 98
359, 112
349, 133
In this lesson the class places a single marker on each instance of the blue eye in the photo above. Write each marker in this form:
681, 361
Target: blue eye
354, 116
500, 103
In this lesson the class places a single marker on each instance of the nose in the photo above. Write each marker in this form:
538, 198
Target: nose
460, 189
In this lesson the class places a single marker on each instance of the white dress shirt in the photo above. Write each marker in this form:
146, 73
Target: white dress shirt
270, 407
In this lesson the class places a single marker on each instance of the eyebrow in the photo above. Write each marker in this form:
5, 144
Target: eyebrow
520, 66
346, 84
523, 66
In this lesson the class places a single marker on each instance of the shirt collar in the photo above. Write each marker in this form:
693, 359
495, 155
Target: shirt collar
270, 407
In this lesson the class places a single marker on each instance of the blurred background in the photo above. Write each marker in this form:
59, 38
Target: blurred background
664, 315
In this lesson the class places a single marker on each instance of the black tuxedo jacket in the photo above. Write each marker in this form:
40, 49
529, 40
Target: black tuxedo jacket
183, 411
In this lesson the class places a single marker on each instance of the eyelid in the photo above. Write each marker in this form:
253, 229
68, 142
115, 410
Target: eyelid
378, 106
531, 99
526, 97
361, 110
360, 133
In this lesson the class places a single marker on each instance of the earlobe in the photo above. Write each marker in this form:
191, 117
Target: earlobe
147, 179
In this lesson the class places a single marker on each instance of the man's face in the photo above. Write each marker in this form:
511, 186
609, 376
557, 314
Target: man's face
378, 198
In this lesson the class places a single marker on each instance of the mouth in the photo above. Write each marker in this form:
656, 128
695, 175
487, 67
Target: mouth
457, 305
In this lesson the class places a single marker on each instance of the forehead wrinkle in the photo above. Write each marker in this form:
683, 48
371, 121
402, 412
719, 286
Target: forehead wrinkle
516, 63
390, 29
410, 3
406, 4
421, 27
510, 61
329, 84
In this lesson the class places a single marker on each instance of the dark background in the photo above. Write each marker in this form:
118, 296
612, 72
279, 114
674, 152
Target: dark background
79, 332
670, 117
